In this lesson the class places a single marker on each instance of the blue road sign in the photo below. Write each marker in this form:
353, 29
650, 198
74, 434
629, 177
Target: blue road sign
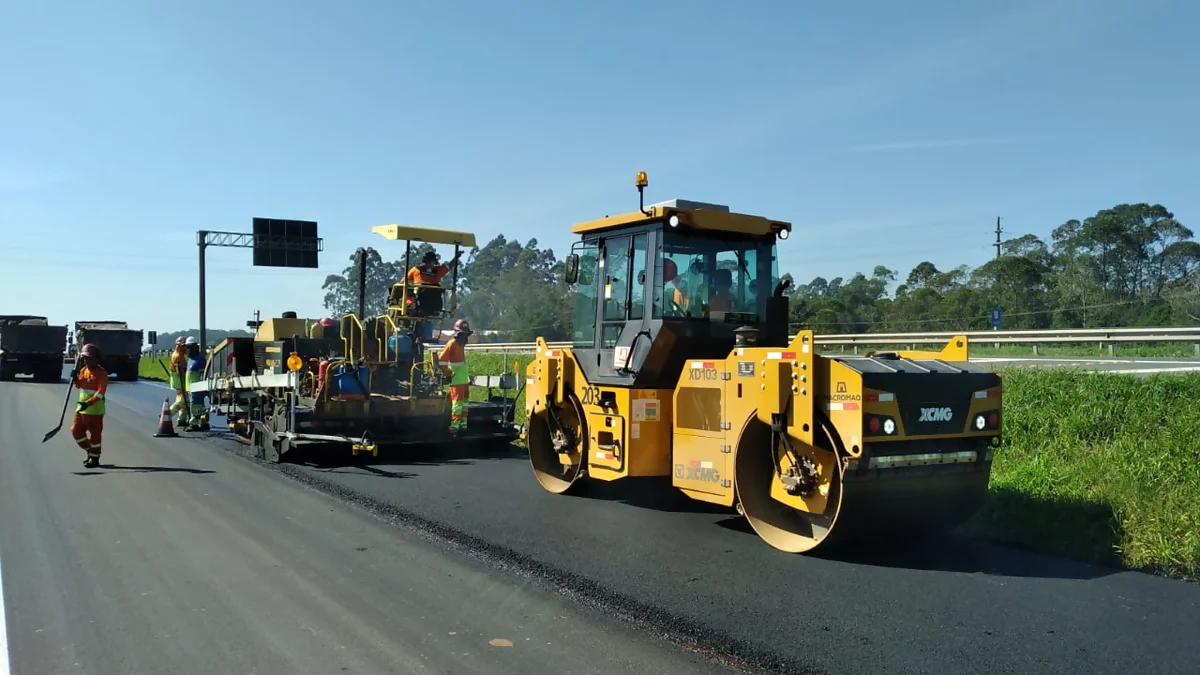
996, 318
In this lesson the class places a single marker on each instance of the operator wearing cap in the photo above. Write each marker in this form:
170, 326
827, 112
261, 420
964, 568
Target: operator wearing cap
428, 273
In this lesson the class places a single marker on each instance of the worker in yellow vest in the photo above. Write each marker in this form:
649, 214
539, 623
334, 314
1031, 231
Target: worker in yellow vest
177, 372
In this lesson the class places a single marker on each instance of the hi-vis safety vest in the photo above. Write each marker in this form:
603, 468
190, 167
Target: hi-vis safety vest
430, 275
195, 373
92, 384
177, 359
454, 357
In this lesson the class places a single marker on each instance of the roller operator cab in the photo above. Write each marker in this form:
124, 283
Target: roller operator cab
682, 367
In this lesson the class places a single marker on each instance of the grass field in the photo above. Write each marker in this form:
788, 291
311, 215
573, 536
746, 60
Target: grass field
1098, 467
1102, 467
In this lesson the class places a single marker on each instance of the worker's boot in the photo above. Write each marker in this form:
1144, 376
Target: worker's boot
92, 461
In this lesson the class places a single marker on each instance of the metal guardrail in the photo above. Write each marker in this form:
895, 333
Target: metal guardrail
1104, 337
1100, 336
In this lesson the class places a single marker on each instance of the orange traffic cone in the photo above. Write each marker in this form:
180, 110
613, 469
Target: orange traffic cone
165, 428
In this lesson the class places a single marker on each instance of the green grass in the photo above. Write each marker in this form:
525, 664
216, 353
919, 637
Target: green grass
1098, 467
1120, 350
149, 368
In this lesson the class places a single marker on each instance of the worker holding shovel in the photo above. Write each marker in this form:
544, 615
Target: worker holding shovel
87, 428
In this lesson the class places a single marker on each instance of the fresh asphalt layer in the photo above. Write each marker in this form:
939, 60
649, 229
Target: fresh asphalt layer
670, 565
175, 557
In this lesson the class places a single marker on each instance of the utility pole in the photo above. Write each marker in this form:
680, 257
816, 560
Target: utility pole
998, 231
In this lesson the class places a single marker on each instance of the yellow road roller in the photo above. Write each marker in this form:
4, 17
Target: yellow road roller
682, 366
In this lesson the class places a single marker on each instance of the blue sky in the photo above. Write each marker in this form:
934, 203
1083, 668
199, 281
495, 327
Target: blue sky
889, 133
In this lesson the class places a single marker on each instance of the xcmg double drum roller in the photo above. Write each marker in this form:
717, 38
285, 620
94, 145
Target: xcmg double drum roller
683, 367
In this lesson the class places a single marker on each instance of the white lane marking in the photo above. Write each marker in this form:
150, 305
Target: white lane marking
4, 666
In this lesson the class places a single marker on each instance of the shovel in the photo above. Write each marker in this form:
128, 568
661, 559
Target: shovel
50, 434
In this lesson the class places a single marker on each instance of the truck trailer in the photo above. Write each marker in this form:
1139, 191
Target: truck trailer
120, 346
29, 345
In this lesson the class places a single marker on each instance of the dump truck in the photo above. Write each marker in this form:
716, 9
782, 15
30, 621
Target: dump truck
683, 368
120, 346
358, 383
29, 345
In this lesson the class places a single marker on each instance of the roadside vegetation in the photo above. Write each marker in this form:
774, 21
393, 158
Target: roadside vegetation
1098, 467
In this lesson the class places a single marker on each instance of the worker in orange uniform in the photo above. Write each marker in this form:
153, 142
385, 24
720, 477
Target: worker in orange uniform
177, 372
428, 273
87, 428
453, 361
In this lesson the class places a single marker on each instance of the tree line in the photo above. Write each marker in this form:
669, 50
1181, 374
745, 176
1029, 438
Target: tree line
1129, 265
508, 291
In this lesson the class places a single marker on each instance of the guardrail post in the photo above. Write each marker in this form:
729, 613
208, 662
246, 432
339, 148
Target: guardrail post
1035, 350
1111, 349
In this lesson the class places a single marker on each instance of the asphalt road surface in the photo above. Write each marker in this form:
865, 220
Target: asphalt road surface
951, 605
175, 557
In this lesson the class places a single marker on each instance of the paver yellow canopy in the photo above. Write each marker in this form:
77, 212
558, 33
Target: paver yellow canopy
683, 366
406, 297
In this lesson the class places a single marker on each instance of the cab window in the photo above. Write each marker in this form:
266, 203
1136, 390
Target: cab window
637, 287
717, 279
585, 295
616, 278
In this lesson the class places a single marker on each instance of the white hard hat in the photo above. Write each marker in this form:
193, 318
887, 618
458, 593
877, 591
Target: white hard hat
191, 341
